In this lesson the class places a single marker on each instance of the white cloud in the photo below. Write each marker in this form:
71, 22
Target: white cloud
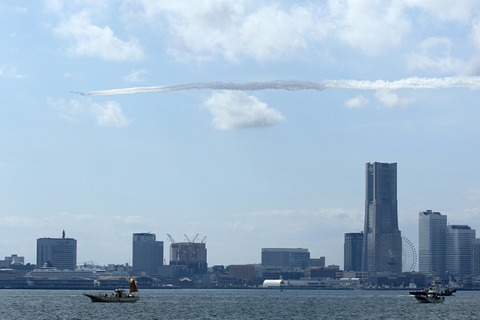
476, 33
459, 10
434, 56
273, 33
90, 40
108, 114
391, 99
264, 32
236, 109
234, 29
53, 5
135, 75
372, 26
357, 102
10, 72
473, 65
72, 110
7, 8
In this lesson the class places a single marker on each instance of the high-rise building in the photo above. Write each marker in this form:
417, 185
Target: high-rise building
432, 228
458, 252
147, 254
286, 259
60, 253
476, 258
352, 251
382, 240
190, 256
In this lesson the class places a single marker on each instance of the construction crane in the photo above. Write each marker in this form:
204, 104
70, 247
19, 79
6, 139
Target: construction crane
191, 241
195, 238
170, 238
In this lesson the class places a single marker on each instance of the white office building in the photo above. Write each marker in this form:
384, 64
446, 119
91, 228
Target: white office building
432, 235
458, 253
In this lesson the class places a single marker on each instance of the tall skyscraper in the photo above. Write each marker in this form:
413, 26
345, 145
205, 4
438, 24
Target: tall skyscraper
352, 251
459, 243
147, 254
382, 240
60, 253
432, 228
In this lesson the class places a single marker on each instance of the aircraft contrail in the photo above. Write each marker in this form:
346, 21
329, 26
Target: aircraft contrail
408, 83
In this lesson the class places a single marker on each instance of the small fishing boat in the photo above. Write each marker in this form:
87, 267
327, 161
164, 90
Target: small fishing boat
118, 295
430, 296
435, 293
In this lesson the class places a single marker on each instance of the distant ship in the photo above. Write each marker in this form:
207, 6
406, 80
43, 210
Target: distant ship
430, 296
118, 295
435, 293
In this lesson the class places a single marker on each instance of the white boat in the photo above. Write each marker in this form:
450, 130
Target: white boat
431, 296
435, 293
118, 295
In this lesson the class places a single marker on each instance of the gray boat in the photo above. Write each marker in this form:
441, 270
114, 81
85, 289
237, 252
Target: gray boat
118, 295
430, 296
435, 293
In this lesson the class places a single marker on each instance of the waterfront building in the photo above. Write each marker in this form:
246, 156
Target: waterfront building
432, 228
352, 251
317, 262
15, 259
60, 253
331, 271
476, 258
190, 256
285, 259
382, 240
459, 243
147, 254
245, 272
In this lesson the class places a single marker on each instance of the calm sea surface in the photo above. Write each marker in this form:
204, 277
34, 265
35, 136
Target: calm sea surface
237, 304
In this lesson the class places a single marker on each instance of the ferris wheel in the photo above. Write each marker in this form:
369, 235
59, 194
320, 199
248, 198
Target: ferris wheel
388, 253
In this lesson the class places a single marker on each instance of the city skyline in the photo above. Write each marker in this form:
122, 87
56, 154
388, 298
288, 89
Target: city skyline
212, 153
432, 253
447, 251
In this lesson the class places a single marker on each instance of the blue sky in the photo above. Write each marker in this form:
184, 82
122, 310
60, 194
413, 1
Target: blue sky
247, 169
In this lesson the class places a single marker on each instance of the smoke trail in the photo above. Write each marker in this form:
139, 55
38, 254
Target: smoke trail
408, 83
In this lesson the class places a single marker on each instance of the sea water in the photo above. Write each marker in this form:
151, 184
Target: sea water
237, 304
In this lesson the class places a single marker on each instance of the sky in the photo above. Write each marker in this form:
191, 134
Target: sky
246, 122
